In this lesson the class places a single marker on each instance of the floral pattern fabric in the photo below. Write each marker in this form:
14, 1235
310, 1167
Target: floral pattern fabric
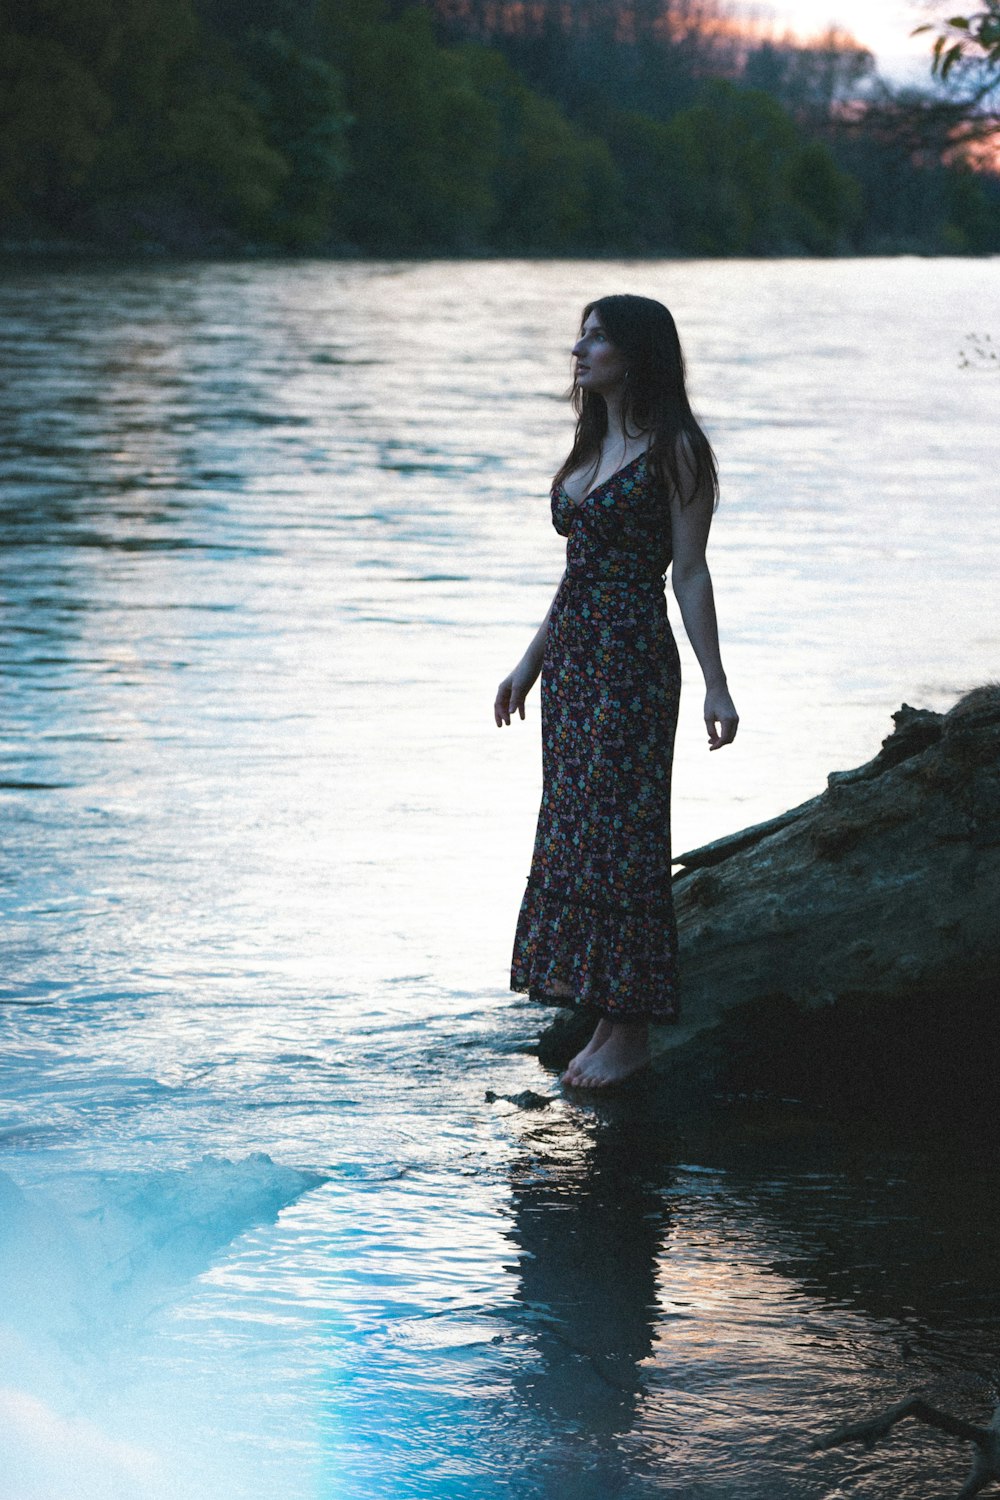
596, 926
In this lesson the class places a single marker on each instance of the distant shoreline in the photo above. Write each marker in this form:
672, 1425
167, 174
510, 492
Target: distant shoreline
36, 249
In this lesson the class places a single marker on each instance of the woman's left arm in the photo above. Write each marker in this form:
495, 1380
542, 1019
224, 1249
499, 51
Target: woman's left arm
692, 585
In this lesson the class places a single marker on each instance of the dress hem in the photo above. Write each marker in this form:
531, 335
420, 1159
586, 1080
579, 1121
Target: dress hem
609, 1013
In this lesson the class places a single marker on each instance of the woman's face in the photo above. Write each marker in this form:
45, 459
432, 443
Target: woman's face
600, 367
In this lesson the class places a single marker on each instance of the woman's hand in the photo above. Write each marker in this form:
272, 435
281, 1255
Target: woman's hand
721, 718
511, 695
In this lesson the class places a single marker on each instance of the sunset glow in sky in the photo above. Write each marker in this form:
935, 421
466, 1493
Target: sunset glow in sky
884, 26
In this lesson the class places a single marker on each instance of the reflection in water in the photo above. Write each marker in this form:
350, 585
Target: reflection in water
589, 1220
688, 1329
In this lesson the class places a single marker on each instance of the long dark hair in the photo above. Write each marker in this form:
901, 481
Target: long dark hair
654, 400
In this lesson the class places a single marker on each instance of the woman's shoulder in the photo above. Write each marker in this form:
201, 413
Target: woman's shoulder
681, 472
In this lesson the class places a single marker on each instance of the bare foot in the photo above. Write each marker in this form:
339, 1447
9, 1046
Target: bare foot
624, 1051
575, 1066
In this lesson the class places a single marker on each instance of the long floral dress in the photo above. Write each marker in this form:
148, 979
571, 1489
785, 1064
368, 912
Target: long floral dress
596, 926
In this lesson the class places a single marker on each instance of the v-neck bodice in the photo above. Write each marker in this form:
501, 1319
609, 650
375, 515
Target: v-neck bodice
620, 530
598, 487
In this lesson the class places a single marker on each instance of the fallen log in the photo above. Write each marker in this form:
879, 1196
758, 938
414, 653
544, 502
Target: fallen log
885, 884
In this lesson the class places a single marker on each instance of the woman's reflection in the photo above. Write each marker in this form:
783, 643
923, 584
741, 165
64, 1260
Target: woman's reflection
589, 1220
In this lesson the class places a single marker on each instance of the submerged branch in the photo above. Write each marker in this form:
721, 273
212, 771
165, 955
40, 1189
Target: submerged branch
986, 1440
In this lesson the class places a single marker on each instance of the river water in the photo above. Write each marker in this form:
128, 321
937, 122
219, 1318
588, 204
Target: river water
271, 534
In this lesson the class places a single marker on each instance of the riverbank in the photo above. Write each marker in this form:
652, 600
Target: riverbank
44, 250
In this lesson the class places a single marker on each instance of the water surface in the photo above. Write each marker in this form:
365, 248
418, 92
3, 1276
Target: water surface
272, 533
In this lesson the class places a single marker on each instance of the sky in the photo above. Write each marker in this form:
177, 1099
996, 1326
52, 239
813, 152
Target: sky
884, 26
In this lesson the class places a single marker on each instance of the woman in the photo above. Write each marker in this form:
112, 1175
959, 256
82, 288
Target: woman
638, 489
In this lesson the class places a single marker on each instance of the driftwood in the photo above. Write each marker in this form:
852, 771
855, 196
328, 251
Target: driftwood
985, 1440
887, 884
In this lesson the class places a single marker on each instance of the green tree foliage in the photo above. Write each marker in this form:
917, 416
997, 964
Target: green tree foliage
965, 59
971, 214
387, 127
129, 115
554, 186
964, 41
654, 216
450, 148
276, 64
740, 179
424, 142
825, 202
731, 150
53, 114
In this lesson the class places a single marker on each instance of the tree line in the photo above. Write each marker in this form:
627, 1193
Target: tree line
631, 127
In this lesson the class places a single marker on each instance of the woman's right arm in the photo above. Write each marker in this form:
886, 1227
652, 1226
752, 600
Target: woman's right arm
517, 684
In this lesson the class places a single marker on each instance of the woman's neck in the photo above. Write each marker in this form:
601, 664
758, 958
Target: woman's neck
616, 426
616, 434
